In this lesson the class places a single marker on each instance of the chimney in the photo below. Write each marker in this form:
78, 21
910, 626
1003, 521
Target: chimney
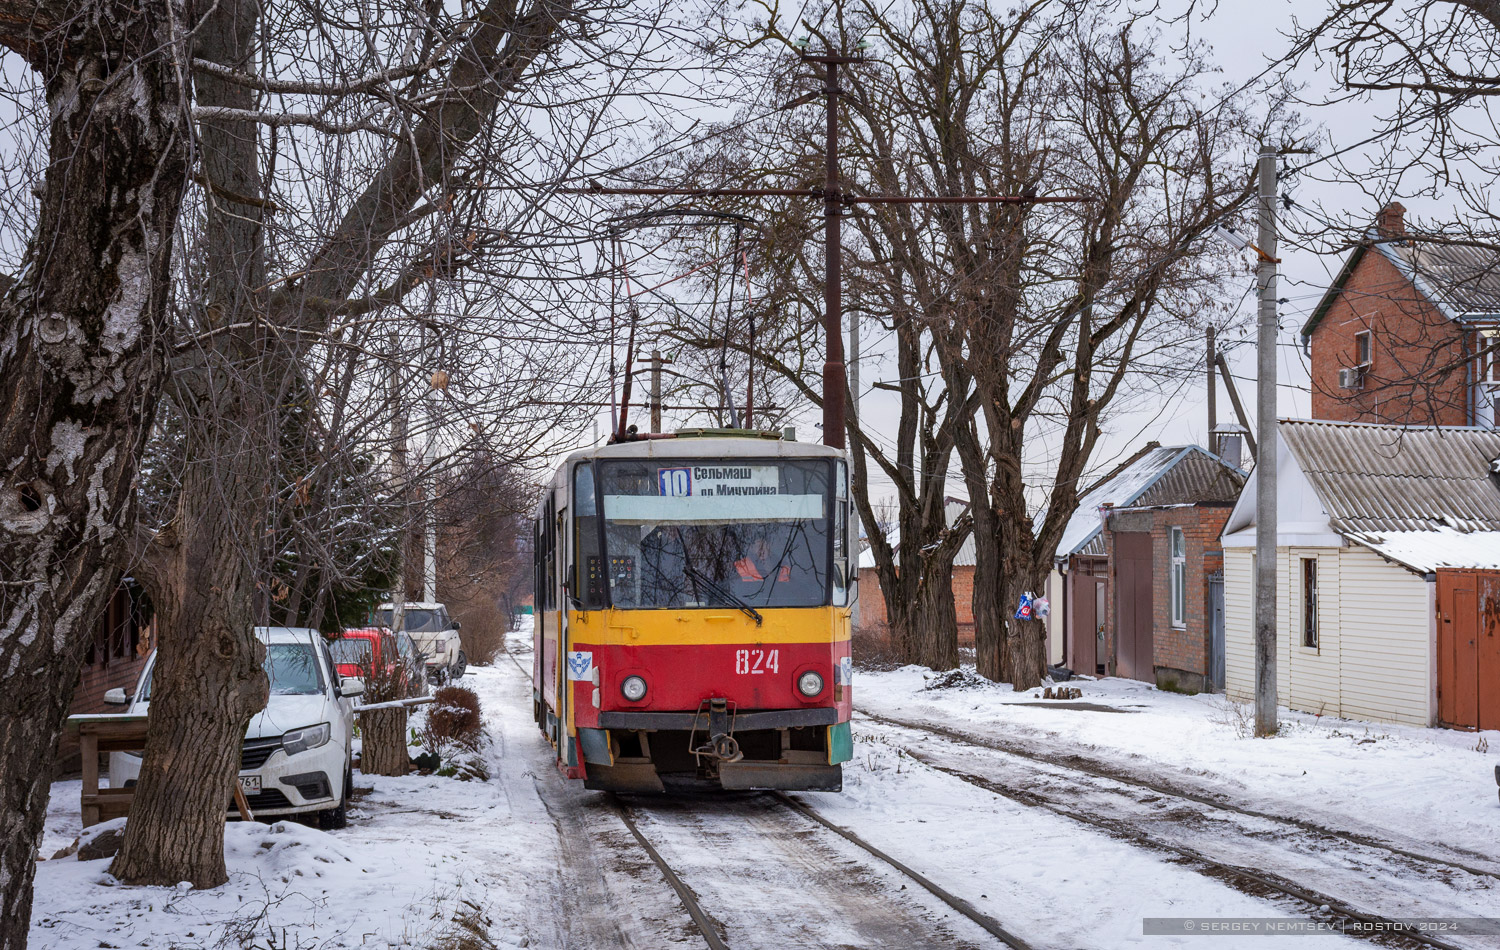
1391, 221
1227, 441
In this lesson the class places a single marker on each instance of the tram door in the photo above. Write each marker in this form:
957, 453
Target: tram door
563, 532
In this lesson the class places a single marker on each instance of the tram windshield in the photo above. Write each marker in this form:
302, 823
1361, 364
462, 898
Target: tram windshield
714, 533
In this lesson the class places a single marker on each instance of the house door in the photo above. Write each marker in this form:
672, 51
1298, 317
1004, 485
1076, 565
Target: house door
1133, 606
1082, 619
1469, 649
1216, 631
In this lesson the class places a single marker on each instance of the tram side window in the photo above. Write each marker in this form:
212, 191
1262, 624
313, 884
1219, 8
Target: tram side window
546, 560
588, 582
840, 534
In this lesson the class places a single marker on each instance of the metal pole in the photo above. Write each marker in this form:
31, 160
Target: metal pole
834, 382
1265, 466
1213, 394
656, 390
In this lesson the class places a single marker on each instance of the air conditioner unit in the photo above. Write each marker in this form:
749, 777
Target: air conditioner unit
1352, 377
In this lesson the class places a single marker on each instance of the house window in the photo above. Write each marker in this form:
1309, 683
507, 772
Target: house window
1362, 348
1310, 602
1179, 576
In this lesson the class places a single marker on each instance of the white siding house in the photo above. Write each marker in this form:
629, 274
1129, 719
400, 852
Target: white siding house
1366, 515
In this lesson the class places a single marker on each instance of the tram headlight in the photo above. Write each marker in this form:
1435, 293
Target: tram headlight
809, 684
633, 689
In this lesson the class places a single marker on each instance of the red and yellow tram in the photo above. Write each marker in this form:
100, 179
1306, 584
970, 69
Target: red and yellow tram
692, 613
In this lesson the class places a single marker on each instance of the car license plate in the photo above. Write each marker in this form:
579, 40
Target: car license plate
250, 784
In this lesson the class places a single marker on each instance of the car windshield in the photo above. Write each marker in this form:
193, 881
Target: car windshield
417, 620
293, 669
350, 650
710, 533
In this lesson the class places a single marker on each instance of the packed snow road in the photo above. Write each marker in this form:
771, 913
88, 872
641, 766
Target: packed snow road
529, 859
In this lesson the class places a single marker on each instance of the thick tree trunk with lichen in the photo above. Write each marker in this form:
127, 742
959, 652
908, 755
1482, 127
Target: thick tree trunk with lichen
82, 350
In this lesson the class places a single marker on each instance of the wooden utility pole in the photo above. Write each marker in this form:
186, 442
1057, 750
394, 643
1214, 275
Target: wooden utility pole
835, 383
656, 390
1265, 464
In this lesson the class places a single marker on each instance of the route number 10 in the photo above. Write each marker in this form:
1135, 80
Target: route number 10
755, 662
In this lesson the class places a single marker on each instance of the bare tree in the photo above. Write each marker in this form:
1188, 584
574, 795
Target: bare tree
360, 202
83, 350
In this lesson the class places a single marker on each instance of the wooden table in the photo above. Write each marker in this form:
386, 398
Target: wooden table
105, 733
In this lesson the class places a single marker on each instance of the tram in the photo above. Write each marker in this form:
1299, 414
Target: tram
693, 598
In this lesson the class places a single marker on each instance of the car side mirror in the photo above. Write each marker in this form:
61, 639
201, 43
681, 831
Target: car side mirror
116, 697
458, 625
351, 686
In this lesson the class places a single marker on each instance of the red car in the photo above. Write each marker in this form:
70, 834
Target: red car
376, 650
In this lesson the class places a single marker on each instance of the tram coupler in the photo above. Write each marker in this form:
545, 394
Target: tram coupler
721, 742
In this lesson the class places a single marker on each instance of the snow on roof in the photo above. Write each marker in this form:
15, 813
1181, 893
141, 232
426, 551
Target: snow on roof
1426, 551
1129, 485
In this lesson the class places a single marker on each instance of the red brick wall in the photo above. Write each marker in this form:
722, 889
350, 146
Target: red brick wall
872, 612
1409, 339
1185, 648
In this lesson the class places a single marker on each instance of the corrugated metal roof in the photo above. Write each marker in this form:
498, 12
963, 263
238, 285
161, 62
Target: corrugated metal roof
1466, 279
1462, 282
1166, 475
1381, 478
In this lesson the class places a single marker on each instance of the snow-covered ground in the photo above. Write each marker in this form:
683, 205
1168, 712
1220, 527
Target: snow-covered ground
527, 859
1429, 785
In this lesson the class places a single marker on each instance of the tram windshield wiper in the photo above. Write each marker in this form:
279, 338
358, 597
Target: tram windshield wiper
737, 601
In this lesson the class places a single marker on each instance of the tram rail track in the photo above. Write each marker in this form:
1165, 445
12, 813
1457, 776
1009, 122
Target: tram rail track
712, 932
1313, 903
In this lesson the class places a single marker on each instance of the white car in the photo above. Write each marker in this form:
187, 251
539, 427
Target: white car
297, 757
436, 635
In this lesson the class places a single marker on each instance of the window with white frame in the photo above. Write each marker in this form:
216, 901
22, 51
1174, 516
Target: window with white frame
1178, 551
1310, 602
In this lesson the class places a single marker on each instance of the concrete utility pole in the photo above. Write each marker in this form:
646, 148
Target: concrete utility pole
1265, 464
1213, 394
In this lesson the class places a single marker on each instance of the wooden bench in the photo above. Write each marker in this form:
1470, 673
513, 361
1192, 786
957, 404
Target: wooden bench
116, 733
105, 733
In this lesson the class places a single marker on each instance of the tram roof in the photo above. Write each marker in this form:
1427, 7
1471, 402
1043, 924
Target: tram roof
706, 446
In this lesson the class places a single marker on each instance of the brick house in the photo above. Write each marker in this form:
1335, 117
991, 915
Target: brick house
1178, 545
1399, 337
1140, 568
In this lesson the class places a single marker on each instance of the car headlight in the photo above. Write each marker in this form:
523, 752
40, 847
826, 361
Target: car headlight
633, 689
809, 684
300, 740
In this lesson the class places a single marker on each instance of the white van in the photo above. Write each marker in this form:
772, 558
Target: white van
297, 757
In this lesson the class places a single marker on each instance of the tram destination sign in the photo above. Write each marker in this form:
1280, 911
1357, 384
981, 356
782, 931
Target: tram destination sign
718, 481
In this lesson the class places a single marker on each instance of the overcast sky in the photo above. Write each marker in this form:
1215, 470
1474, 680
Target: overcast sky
1244, 37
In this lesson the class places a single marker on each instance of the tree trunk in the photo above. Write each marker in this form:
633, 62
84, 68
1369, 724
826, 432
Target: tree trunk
1025, 657
988, 601
207, 685
83, 334
936, 617
383, 742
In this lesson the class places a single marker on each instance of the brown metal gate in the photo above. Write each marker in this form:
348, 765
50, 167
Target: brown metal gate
1469, 649
1087, 603
1133, 607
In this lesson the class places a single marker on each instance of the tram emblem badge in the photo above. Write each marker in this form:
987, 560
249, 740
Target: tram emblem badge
580, 665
